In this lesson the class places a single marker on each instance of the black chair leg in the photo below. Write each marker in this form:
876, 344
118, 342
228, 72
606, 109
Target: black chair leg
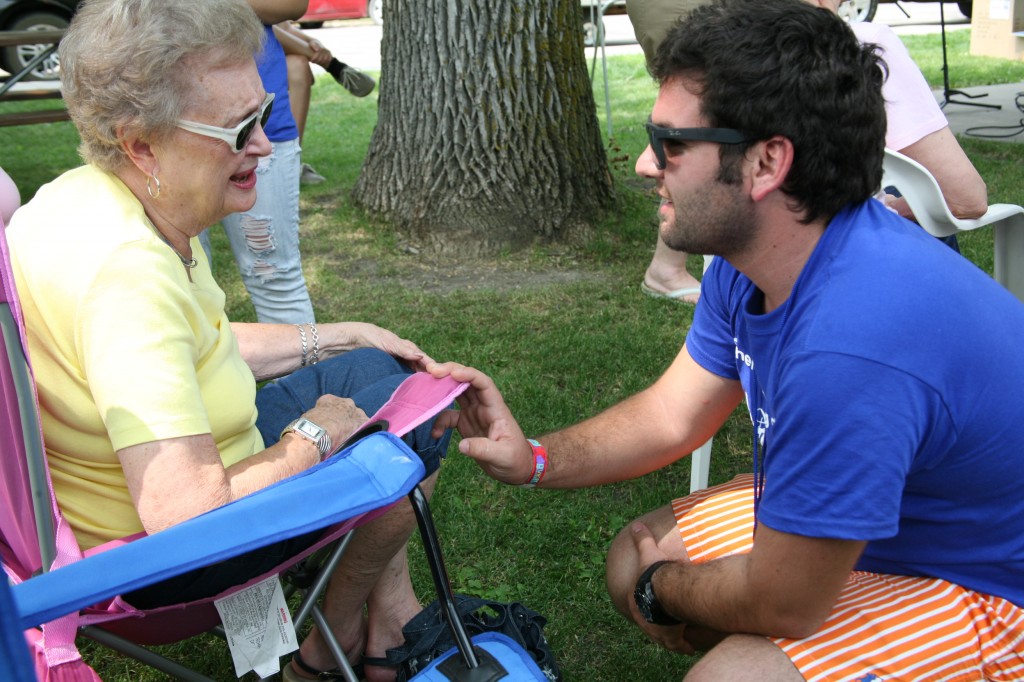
440, 574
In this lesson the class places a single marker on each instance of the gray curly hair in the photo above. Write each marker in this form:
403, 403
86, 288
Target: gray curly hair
131, 65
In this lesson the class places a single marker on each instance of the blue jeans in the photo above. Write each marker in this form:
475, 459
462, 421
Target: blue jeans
265, 240
369, 377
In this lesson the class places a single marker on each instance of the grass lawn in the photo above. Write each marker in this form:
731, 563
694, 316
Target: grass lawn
564, 332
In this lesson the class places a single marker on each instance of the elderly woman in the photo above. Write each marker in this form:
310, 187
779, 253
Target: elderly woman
148, 393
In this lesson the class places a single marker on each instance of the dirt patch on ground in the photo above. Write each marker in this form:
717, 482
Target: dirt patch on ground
357, 255
448, 275
474, 276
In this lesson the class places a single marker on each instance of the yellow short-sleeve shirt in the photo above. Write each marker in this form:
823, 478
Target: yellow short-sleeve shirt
124, 347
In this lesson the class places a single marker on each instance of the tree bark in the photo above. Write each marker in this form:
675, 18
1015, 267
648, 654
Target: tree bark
487, 136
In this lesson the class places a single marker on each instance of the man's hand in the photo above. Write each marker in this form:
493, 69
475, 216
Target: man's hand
671, 637
490, 434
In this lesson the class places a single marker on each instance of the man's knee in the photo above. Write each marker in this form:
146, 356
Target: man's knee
621, 568
622, 565
743, 658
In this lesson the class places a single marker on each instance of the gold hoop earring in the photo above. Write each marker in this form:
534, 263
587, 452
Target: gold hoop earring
149, 188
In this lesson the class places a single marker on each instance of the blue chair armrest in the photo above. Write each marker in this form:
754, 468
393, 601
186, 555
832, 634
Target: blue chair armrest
372, 473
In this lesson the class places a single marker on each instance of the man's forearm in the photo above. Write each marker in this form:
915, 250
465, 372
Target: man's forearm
711, 596
625, 441
786, 586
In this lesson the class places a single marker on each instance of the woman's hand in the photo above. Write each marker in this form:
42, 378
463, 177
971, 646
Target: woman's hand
371, 336
340, 416
320, 56
898, 205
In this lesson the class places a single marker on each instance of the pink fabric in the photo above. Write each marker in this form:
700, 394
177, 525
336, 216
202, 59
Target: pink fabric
76, 671
911, 110
20, 547
417, 399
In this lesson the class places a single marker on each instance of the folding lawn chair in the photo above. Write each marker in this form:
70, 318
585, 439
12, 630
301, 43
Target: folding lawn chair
13, 654
54, 587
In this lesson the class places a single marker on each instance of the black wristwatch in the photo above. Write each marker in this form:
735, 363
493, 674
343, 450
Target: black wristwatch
647, 601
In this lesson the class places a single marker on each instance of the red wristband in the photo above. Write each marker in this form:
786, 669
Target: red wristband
540, 463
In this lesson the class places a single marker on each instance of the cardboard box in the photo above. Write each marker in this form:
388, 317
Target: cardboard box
997, 29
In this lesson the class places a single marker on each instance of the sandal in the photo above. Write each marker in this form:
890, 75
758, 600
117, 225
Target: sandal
288, 673
379, 662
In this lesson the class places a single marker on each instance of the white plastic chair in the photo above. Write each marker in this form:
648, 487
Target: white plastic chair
919, 187
700, 465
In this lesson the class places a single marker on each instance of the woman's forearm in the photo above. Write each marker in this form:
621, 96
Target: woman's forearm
273, 350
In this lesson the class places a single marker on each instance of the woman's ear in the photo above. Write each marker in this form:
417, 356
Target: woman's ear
771, 160
138, 151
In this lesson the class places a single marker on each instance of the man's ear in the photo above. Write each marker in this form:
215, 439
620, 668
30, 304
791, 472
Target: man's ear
771, 160
138, 151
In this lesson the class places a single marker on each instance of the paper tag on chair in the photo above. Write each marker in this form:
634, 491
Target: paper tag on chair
259, 627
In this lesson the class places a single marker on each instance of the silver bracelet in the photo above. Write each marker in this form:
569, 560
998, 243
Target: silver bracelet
302, 335
314, 357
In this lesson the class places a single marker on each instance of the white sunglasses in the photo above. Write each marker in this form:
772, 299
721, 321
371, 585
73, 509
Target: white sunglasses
239, 136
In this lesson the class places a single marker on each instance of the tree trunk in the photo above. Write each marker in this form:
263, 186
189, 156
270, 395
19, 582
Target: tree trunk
487, 136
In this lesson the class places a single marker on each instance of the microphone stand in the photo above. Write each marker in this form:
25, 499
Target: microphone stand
946, 91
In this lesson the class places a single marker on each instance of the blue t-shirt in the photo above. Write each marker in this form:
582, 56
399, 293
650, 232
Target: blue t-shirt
885, 399
274, 73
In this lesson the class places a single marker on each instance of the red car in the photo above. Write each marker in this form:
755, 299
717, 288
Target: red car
324, 10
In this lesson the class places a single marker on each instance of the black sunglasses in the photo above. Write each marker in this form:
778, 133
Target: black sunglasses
658, 136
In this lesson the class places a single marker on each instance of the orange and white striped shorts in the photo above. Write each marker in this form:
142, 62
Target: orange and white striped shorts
884, 628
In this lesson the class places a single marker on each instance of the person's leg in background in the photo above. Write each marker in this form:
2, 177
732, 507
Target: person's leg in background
300, 85
265, 240
666, 275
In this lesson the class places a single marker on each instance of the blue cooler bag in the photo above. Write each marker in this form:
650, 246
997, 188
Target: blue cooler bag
467, 639
499, 657
507, 643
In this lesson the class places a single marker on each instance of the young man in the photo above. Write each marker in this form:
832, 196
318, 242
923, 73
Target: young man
881, 535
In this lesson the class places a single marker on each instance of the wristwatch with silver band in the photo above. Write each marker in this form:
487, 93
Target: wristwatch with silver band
311, 432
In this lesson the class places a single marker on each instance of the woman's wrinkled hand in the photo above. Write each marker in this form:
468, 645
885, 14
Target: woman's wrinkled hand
372, 336
321, 55
340, 416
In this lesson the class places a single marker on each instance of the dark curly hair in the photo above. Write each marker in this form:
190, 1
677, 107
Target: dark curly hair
785, 67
